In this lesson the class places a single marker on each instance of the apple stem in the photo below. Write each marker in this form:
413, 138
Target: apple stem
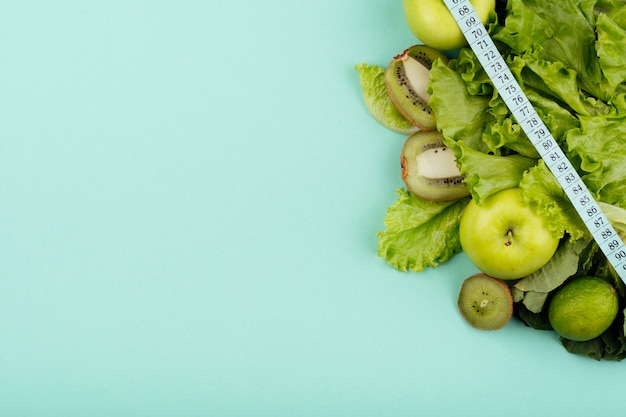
509, 236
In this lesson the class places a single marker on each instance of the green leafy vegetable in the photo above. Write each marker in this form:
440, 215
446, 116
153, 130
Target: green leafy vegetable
599, 146
542, 190
487, 174
561, 32
450, 97
377, 99
420, 233
611, 49
617, 217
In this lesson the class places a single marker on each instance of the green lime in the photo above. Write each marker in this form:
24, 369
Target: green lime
583, 308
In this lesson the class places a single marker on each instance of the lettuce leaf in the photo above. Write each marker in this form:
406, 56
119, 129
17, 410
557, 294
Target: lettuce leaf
377, 100
555, 80
473, 74
419, 233
616, 215
560, 31
611, 49
556, 118
542, 190
487, 174
615, 10
460, 115
599, 148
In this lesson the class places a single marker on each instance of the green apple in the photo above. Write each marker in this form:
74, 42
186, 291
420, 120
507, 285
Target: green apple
433, 24
505, 238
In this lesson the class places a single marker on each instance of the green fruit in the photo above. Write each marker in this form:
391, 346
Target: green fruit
429, 168
407, 77
485, 302
583, 309
432, 23
504, 237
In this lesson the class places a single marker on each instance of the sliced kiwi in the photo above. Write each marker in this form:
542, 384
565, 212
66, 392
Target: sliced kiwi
407, 77
429, 168
485, 302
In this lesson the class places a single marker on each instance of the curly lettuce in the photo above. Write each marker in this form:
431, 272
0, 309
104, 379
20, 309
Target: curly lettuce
599, 148
420, 233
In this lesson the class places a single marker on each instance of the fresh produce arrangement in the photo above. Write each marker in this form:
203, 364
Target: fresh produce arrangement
474, 182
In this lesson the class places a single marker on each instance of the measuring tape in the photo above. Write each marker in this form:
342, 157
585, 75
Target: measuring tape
494, 65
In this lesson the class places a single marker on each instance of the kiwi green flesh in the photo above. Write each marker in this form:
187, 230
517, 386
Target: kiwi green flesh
485, 302
429, 168
407, 78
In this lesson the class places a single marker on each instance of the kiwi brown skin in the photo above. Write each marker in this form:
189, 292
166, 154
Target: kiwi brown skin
485, 302
429, 189
404, 97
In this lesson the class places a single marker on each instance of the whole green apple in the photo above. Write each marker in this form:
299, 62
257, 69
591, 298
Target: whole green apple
433, 24
505, 238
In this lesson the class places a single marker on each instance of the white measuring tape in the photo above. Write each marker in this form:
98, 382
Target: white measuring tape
521, 108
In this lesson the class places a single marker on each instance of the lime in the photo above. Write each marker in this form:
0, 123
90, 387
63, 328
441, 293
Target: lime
583, 308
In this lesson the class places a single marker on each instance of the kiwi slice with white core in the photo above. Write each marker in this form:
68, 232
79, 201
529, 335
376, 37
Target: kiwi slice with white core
429, 168
407, 77
418, 75
485, 302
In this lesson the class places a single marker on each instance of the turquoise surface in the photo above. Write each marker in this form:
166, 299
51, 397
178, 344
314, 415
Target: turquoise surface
190, 193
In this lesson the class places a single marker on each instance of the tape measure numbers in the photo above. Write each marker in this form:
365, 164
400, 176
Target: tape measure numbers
509, 89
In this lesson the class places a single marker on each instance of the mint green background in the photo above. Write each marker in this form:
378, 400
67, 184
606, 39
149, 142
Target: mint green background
189, 198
